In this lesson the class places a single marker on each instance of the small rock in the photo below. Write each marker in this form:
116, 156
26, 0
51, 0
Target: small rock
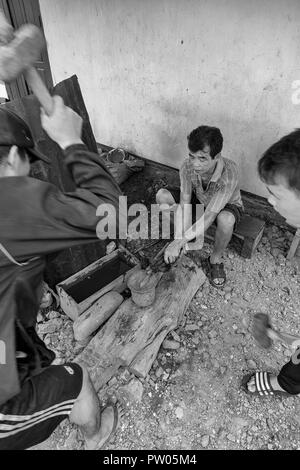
159, 372
227, 289
113, 381
40, 317
53, 314
231, 437
212, 334
50, 326
168, 344
72, 439
227, 296
179, 412
251, 364
110, 248
175, 336
163, 425
204, 441
47, 340
192, 327
46, 300
125, 375
134, 390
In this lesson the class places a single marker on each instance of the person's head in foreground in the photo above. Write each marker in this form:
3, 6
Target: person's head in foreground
279, 169
205, 145
17, 149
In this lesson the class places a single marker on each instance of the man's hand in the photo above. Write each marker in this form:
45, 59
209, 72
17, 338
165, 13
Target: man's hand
64, 126
173, 251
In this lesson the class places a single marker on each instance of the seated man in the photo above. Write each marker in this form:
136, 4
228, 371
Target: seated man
209, 179
279, 169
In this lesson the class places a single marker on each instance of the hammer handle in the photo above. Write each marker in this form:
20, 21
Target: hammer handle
39, 89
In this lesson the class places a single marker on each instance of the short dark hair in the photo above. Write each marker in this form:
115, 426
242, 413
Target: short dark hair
4, 151
282, 159
206, 135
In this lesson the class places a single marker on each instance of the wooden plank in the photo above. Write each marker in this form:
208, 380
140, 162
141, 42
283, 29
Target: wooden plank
294, 245
74, 309
132, 329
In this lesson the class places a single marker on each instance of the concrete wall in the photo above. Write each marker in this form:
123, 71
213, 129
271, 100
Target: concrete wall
152, 70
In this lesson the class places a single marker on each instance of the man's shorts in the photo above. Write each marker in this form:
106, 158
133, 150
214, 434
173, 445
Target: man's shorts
237, 211
45, 400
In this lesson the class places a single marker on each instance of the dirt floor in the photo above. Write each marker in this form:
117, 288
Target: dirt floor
192, 398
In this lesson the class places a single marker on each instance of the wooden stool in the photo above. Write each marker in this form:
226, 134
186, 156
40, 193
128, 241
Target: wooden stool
294, 245
249, 230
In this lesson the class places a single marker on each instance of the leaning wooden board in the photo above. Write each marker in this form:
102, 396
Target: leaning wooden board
131, 331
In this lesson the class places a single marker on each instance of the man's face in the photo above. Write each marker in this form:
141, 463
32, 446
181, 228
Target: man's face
202, 161
286, 201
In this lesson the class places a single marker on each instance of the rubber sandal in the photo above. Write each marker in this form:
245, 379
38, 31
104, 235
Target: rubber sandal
263, 386
216, 271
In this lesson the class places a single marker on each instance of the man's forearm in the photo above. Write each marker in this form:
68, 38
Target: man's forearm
199, 228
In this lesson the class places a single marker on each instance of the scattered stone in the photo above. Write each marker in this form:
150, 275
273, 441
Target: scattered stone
53, 314
47, 340
175, 336
40, 317
212, 334
159, 372
231, 437
192, 327
50, 326
133, 390
179, 412
113, 381
46, 300
125, 375
168, 344
251, 364
227, 289
204, 441
71, 440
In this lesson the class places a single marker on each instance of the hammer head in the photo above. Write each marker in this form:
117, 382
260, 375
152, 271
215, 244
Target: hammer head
21, 52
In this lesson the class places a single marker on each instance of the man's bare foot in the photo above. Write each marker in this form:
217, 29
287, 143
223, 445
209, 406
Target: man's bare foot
273, 380
109, 423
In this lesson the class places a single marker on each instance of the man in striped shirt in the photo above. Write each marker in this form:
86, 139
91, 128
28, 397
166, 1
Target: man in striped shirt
209, 179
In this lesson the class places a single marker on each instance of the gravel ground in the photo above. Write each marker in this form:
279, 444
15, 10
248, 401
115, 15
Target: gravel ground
192, 398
